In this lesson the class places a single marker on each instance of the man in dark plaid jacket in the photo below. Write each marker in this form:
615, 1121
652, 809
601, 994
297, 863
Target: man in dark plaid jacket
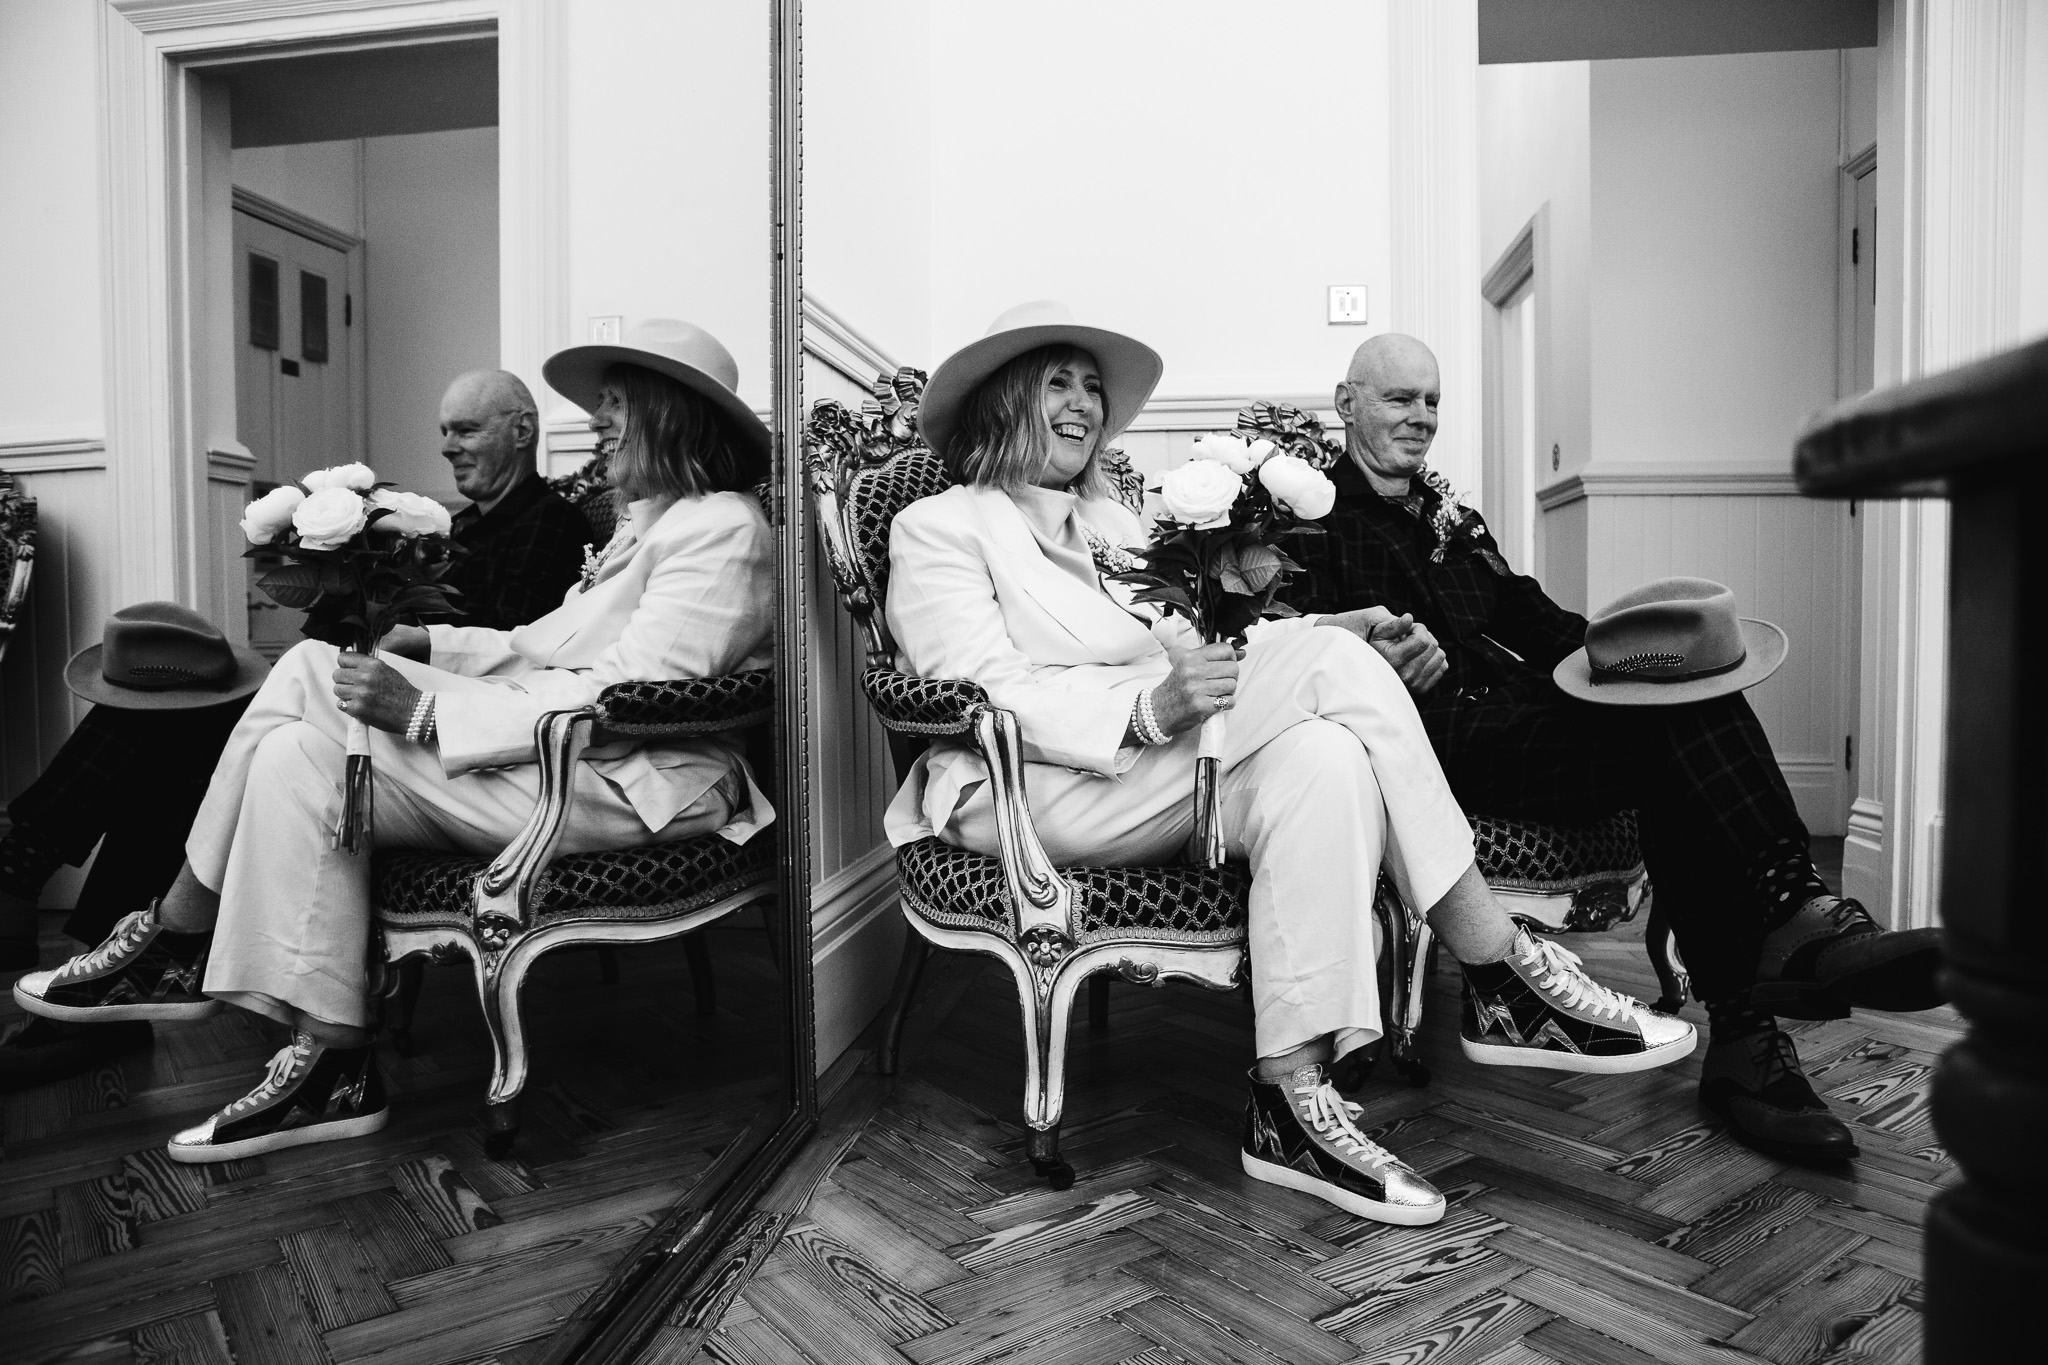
130, 782
1727, 852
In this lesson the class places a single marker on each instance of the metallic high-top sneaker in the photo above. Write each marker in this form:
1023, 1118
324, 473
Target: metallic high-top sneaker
1537, 1007
129, 976
310, 1094
1301, 1133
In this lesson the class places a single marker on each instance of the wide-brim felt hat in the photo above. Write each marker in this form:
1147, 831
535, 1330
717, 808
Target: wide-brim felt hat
683, 351
1669, 642
159, 656
1130, 369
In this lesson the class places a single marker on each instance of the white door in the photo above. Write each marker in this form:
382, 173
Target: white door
295, 406
1508, 483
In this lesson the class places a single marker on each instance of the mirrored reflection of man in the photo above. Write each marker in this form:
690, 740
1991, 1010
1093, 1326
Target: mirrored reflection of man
131, 776
1728, 854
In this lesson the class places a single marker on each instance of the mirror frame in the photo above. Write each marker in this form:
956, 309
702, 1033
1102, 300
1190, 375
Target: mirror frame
614, 1323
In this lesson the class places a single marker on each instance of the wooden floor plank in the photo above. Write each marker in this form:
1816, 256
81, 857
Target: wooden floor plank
818, 1324
1477, 1331
1768, 1269
839, 1271
195, 1339
1625, 1322
1189, 1335
265, 1320
1826, 1309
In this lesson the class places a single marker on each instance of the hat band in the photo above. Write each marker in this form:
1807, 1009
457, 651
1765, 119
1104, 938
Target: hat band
162, 677
1631, 669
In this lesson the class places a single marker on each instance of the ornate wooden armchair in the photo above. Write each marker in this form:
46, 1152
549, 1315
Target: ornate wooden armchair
502, 914
1052, 927
17, 554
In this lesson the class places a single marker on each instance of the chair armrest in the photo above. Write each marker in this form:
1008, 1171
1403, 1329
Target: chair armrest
687, 706
504, 893
1043, 907
923, 706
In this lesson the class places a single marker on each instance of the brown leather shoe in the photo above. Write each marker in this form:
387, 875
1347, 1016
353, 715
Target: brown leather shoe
1755, 1085
1831, 957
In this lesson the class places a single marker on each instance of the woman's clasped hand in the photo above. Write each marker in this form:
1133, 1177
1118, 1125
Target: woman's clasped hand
1202, 682
373, 692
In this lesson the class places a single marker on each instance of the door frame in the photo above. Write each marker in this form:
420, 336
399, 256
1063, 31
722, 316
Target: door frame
356, 333
1522, 263
175, 466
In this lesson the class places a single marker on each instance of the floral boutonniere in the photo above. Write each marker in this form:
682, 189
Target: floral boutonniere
1452, 523
1110, 558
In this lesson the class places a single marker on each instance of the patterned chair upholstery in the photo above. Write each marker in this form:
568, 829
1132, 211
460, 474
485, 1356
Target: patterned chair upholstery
1553, 878
1052, 927
17, 554
501, 914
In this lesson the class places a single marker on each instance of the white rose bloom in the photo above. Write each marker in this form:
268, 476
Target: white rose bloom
1298, 486
412, 514
353, 476
1200, 494
1259, 451
1227, 451
328, 517
266, 518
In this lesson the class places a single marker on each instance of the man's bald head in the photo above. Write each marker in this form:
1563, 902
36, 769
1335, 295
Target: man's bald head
490, 429
1388, 402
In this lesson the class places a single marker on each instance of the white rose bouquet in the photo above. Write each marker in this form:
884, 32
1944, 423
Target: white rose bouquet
1215, 558
375, 551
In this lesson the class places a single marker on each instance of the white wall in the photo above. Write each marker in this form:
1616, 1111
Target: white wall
431, 268
49, 214
2033, 300
322, 180
868, 169
1155, 176
667, 179
1714, 201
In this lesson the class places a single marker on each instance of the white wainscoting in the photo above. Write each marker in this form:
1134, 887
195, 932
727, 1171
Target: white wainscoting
857, 933
68, 596
1790, 560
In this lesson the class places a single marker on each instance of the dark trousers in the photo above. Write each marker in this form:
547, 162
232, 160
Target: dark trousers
130, 782
1715, 810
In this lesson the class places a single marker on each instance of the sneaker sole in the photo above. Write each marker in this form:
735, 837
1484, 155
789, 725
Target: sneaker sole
1405, 1215
1649, 1059
114, 1014
361, 1126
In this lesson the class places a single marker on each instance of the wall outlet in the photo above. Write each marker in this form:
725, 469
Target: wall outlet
605, 331
1347, 304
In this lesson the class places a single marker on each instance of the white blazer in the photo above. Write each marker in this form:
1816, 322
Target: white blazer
690, 595
972, 596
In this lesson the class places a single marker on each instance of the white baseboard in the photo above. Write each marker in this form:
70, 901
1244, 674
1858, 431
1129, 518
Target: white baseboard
857, 939
1816, 785
1866, 872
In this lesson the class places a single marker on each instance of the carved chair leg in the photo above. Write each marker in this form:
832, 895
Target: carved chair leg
697, 949
1672, 977
608, 965
501, 1128
909, 974
1418, 962
1098, 1002
1045, 1019
411, 973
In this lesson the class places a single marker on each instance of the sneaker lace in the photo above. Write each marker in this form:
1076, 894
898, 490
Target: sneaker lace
1565, 977
279, 1074
1332, 1115
128, 935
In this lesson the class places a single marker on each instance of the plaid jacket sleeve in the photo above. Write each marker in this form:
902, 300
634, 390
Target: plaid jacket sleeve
525, 570
1524, 618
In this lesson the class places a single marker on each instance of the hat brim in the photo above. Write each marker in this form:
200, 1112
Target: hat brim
1765, 648
1130, 371
82, 675
577, 373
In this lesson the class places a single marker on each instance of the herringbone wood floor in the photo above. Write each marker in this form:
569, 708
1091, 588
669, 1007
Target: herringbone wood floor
410, 1246
1593, 1219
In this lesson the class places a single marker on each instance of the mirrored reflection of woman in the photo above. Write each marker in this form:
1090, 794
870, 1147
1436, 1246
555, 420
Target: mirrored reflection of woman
268, 915
1327, 774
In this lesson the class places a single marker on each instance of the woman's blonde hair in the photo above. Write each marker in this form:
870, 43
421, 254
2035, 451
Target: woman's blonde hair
676, 444
1004, 438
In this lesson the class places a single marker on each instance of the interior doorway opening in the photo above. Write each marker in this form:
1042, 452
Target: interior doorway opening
1509, 472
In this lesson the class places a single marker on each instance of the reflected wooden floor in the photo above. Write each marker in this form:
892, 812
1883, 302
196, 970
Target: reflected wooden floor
410, 1247
1593, 1219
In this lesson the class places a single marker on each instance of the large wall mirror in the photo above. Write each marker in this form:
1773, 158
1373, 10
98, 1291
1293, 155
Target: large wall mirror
533, 264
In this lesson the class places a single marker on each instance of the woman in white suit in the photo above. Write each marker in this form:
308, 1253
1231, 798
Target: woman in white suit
1326, 776
268, 914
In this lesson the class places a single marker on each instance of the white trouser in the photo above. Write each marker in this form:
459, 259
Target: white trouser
294, 928
1327, 771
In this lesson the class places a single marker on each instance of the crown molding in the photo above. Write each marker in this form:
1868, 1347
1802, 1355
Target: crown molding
843, 346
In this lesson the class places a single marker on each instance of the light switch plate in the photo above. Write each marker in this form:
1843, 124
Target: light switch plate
605, 331
1347, 304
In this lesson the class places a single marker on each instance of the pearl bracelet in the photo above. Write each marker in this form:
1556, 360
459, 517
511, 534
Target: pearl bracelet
420, 728
1146, 722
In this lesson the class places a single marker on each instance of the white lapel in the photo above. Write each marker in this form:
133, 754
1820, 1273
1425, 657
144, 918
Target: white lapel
548, 636
1099, 624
